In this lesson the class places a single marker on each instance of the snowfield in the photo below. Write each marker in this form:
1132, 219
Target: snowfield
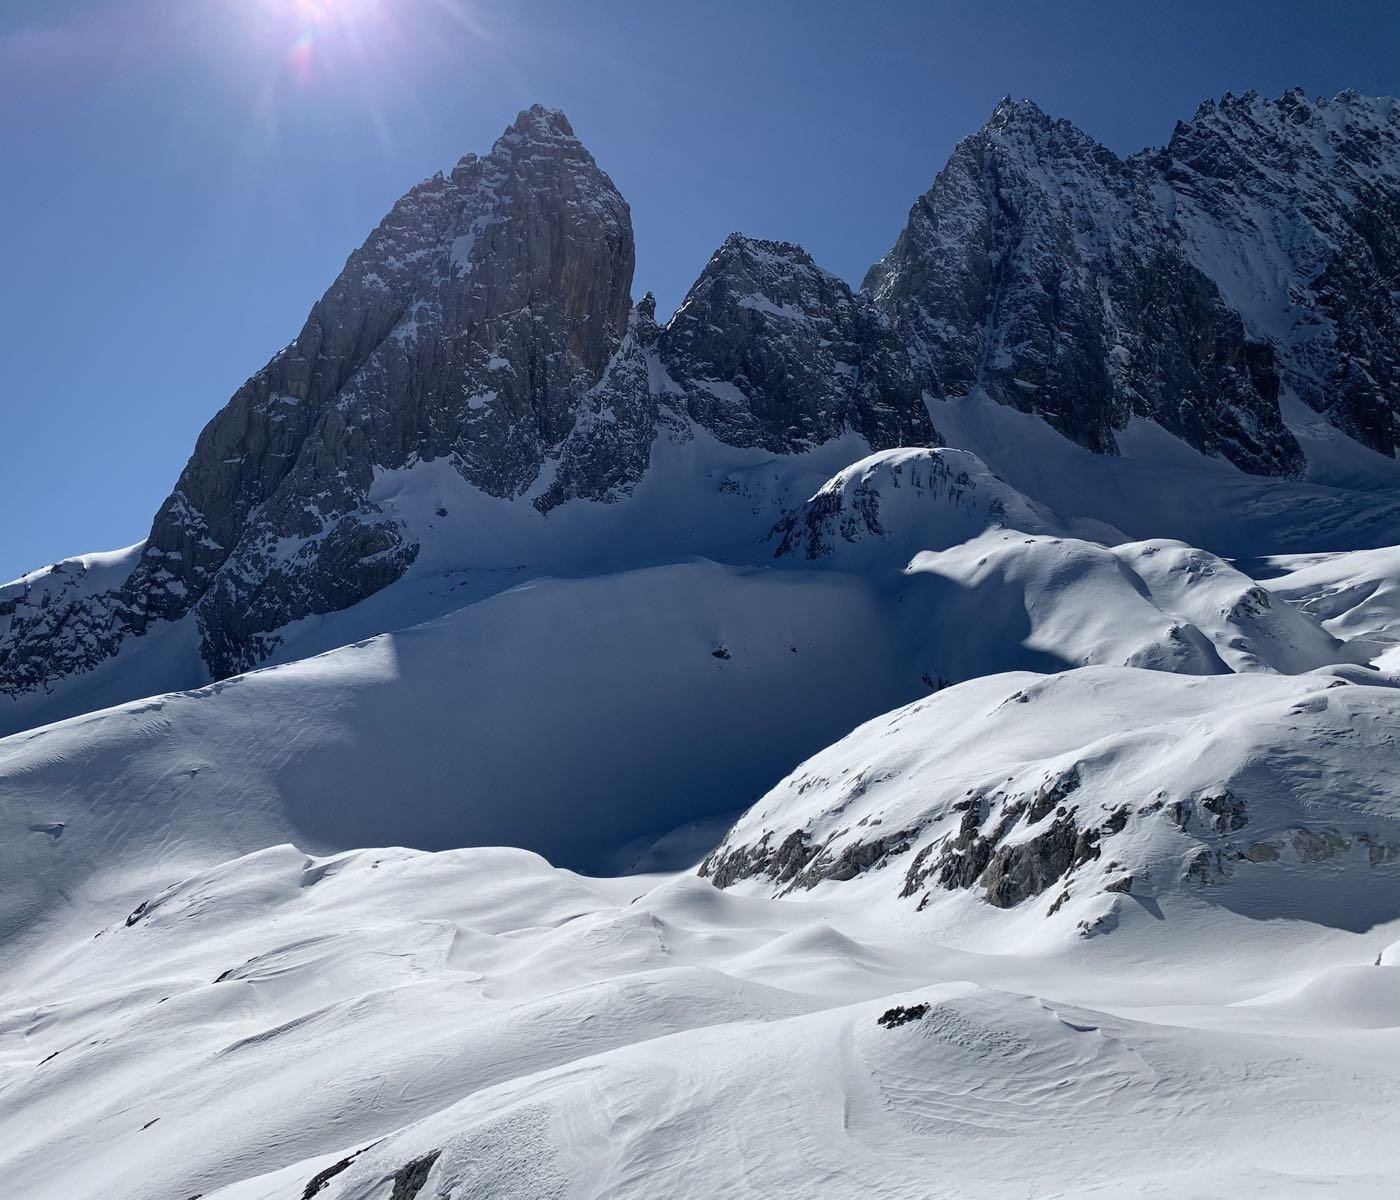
1028, 935
673, 771
482, 1024
1132, 886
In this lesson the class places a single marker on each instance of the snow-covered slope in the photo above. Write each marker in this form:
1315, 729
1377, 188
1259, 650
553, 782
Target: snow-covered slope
1075, 864
1355, 595
569, 716
1019, 808
1158, 487
1008, 601
390, 1023
898, 501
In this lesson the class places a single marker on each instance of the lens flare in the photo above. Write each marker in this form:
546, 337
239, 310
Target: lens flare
321, 28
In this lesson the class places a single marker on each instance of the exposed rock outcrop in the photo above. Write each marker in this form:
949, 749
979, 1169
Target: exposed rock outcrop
772, 351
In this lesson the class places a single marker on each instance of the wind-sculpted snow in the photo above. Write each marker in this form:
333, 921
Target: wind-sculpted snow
1009, 601
388, 1023
1079, 800
1354, 595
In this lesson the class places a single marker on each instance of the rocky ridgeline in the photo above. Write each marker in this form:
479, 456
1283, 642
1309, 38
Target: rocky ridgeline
1041, 268
1293, 208
487, 322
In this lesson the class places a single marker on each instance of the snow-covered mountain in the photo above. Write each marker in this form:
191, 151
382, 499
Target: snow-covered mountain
486, 326
1041, 268
1029, 620
1082, 797
1292, 207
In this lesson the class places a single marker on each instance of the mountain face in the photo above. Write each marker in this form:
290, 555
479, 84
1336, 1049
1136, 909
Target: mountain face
487, 325
470, 325
772, 351
487, 322
1041, 268
1293, 208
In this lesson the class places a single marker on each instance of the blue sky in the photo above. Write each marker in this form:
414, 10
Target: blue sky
182, 178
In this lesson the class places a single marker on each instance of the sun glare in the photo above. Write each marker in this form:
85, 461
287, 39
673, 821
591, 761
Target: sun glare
315, 26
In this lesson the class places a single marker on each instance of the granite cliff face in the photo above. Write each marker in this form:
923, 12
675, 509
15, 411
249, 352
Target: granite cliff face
1040, 268
1293, 208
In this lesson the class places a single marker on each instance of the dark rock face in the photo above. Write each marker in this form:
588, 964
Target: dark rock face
478, 323
1017, 872
1041, 268
1293, 206
772, 351
487, 321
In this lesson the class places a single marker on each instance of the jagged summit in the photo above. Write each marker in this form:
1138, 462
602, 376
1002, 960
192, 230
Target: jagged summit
773, 351
487, 325
1040, 269
538, 121
1010, 110
1292, 100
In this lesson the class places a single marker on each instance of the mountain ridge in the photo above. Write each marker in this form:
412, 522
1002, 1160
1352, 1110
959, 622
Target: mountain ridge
488, 322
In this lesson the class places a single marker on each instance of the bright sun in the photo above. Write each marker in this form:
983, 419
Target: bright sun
315, 24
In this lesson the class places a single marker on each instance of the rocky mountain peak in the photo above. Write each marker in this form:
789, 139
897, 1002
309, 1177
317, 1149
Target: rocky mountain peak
470, 326
1010, 111
537, 123
1293, 207
773, 351
1039, 269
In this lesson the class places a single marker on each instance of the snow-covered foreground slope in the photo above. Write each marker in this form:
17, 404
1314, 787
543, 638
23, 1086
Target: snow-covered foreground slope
476, 1023
1102, 932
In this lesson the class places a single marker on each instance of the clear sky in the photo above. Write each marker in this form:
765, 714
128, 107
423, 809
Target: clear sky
180, 179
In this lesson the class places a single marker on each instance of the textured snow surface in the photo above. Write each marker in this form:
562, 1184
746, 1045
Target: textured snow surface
1012, 809
506, 1029
569, 716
